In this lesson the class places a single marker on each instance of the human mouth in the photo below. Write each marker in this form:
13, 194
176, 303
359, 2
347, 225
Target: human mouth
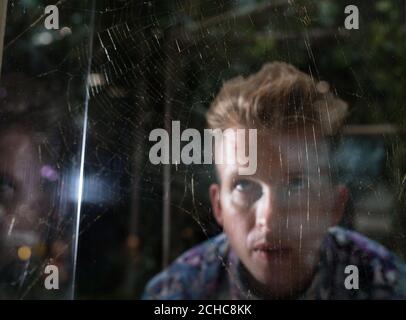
268, 252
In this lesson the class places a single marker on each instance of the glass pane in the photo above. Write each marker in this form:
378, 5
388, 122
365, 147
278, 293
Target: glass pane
103, 135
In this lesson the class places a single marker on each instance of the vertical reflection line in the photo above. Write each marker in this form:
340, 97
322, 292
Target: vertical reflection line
171, 69
3, 17
166, 226
83, 149
166, 204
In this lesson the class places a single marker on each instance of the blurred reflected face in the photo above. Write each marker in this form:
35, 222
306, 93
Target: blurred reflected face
22, 209
277, 218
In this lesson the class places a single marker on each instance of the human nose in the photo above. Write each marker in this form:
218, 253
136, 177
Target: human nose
267, 209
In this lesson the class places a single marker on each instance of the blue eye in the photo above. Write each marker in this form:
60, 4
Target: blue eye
249, 188
242, 185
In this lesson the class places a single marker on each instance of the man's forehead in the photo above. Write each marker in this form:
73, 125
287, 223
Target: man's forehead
292, 141
296, 149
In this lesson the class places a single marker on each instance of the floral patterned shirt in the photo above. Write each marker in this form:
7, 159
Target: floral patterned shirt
211, 271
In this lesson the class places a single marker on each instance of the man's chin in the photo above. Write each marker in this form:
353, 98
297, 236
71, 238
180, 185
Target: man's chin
279, 286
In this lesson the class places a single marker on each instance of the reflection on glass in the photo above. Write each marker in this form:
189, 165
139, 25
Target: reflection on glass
42, 94
82, 192
30, 172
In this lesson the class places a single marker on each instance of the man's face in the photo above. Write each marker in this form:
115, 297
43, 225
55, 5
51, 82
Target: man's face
22, 202
277, 218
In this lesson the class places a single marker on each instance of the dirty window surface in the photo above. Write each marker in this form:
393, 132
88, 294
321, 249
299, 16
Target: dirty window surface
91, 206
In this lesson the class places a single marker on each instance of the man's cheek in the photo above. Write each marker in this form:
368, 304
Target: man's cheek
234, 227
233, 211
239, 203
297, 227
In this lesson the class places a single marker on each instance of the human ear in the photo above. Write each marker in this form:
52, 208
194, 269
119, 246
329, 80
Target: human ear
215, 203
340, 201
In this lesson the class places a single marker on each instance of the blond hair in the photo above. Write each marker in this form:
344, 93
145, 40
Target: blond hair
277, 96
